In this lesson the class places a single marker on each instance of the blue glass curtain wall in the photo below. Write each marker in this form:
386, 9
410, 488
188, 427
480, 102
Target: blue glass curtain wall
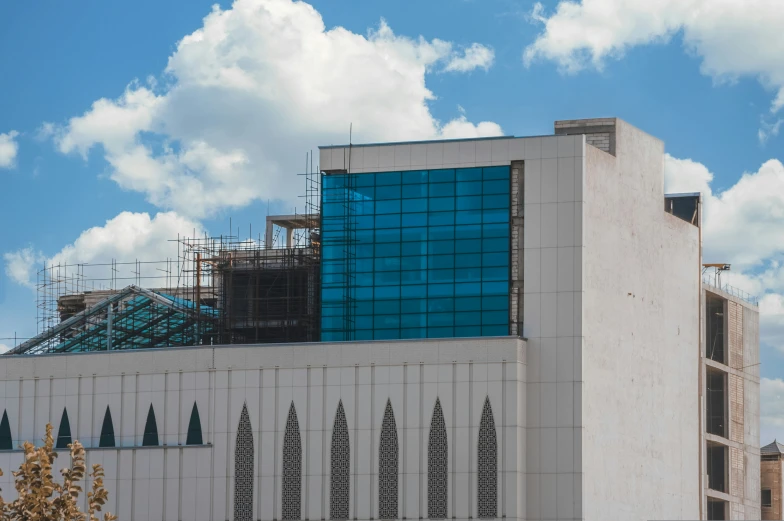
419, 254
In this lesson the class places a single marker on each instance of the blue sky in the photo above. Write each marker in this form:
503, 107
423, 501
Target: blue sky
146, 163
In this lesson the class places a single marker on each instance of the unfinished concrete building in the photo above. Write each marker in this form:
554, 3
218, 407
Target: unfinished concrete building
498, 328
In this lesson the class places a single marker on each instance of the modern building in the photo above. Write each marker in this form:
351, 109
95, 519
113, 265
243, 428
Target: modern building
506, 328
772, 482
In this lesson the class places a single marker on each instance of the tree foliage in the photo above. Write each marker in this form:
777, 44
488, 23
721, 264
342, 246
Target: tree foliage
42, 498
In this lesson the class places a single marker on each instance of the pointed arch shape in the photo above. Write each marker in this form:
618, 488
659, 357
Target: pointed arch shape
107, 430
437, 465
291, 491
64, 431
6, 441
388, 457
150, 438
194, 436
340, 467
243, 467
487, 465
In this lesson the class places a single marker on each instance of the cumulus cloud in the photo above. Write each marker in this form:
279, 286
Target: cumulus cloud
733, 39
246, 95
755, 202
8, 149
126, 237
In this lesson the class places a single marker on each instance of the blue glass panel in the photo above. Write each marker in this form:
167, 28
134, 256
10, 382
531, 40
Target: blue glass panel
495, 288
473, 202
472, 188
418, 320
387, 235
467, 289
495, 330
392, 206
413, 277
332, 209
495, 201
363, 279
440, 247
467, 331
387, 279
364, 322
469, 174
386, 307
496, 172
332, 251
387, 292
388, 178
414, 219
441, 218
495, 216
414, 305
388, 221
387, 192
495, 274
366, 334
363, 265
495, 230
333, 278
495, 245
393, 264
470, 231
442, 176
468, 304
391, 249
468, 217
333, 294
414, 291
417, 262
413, 191
332, 336
440, 290
414, 333
363, 250
364, 293
495, 259
472, 318
334, 181
414, 248
495, 303
468, 274
440, 305
442, 190
466, 246
360, 180
468, 260
490, 318
415, 177
440, 332
361, 222
442, 204
440, 319
386, 321
440, 276
414, 234
414, 205
441, 261
441, 233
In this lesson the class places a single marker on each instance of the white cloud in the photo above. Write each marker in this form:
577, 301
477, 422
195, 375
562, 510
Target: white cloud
755, 202
477, 56
771, 409
22, 265
732, 38
246, 95
8, 149
126, 237
4, 348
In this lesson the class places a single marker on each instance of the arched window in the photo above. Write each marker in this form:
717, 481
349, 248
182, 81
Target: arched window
150, 438
64, 432
437, 466
292, 468
243, 468
487, 465
340, 471
6, 442
387, 466
107, 430
194, 428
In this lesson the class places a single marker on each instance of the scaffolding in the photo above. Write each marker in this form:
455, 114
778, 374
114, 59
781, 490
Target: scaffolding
219, 290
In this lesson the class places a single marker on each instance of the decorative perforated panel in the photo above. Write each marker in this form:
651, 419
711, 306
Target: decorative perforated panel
292, 468
340, 473
243, 469
487, 465
437, 466
387, 466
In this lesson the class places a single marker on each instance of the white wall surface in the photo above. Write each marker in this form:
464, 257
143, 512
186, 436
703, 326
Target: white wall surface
640, 345
180, 482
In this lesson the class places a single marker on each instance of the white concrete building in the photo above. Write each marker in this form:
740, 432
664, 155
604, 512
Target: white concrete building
585, 403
